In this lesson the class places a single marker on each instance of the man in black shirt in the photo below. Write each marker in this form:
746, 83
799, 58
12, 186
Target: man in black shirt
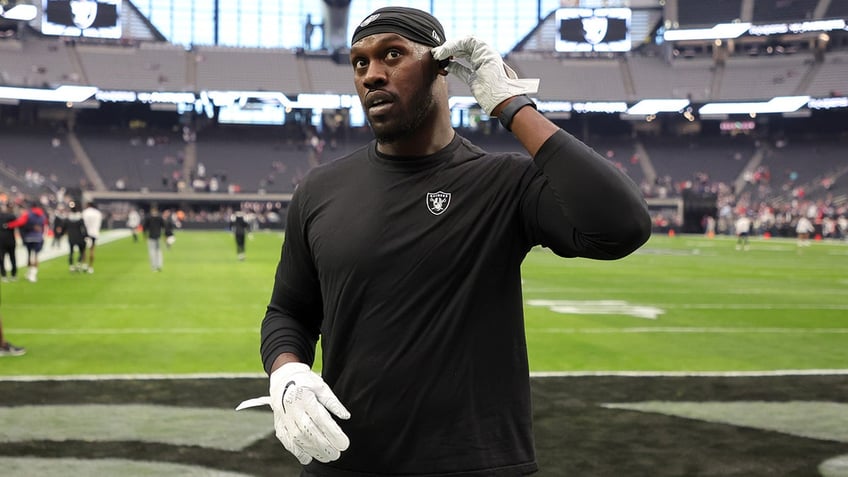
404, 258
74, 227
239, 226
154, 226
8, 243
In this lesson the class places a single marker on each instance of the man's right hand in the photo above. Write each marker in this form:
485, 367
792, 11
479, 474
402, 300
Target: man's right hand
302, 403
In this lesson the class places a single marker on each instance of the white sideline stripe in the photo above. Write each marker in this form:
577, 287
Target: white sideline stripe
131, 377
50, 252
683, 329
646, 329
691, 306
693, 374
745, 291
749, 306
534, 374
132, 331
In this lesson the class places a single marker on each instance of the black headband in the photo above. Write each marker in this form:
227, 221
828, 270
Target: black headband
410, 23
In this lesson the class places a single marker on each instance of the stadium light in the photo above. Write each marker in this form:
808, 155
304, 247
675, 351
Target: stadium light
653, 106
722, 31
12, 10
779, 104
798, 27
828, 103
63, 94
609, 107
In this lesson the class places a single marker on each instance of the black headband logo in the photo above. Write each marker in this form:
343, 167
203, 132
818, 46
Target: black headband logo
370, 19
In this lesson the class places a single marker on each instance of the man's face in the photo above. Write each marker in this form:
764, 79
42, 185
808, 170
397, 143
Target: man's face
393, 78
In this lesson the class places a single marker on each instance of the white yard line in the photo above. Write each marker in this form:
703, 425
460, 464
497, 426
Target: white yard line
694, 374
623, 330
132, 331
536, 374
50, 252
688, 329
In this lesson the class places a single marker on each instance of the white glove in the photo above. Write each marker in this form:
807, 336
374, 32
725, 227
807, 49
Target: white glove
301, 401
491, 80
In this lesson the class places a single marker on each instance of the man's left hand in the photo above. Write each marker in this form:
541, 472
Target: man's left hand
490, 79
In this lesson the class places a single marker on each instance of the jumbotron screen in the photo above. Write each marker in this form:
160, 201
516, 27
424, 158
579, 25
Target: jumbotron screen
88, 18
593, 29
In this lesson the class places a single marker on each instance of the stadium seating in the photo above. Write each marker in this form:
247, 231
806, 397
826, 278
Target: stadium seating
149, 66
654, 77
830, 78
247, 69
272, 159
36, 63
763, 78
719, 158
138, 159
574, 79
43, 152
782, 10
698, 13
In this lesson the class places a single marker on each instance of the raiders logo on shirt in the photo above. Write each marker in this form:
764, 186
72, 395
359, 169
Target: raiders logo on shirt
438, 202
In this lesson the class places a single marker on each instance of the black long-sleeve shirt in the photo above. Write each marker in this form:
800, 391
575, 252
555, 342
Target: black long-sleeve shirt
154, 226
74, 227
409, 271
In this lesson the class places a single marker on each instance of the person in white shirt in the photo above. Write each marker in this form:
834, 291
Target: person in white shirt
803, 229
93, 220
743, 230
133, 223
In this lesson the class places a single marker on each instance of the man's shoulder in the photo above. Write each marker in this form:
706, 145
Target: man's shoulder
340, 167
496, 151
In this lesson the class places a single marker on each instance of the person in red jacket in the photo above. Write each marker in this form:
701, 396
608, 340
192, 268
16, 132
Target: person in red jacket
32, 224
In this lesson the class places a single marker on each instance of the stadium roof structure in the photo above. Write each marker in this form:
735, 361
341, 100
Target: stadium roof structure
679, 65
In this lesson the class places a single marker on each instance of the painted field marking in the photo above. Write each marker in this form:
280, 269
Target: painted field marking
533, 374
599, 307
748, 291
50, 252
809, 419
622, 307
625, 330
133, 331
693, 329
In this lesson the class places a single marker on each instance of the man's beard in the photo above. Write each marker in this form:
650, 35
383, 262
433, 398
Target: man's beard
409, 124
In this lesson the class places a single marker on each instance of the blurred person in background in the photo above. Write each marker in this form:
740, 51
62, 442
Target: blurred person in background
153, 227
742, 226
404, 258
93, 219
239, 226
33, 224
8, 244
803, 229
58, 226
76, 232
133, 222
171, 224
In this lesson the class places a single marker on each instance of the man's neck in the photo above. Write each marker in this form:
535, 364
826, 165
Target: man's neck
422, 143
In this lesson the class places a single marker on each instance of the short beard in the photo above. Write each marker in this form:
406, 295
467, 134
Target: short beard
421, 109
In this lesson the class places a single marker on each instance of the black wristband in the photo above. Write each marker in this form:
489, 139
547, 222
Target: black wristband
512, 108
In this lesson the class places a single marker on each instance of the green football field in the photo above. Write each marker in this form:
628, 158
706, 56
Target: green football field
688, 358
684, 303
